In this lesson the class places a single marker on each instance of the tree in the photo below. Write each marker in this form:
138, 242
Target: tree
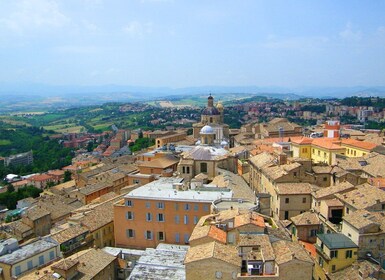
67, 176
10, 188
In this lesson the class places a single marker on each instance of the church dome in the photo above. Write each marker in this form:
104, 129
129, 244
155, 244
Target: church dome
219, 105
207, 130
210, 111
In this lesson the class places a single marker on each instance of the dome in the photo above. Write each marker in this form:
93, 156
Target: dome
210, 111
224, 143
207, 130
219, 105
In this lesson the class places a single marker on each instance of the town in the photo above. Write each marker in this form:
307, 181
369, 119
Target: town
259, 188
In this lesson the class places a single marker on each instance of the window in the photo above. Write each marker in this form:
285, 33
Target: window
130, 233
295, 174
333, 254
333, 267
41, 260
161, 236
148, 234
51, 255
160, 217
218, 275
321, 262
319, 153
187, 206
177, 238
30, 265
196, 207
17, 270
203, 167
324, 154
347, 210
383, 206
303, 199
313, 232
286, 215
286, 200
160, 205
130, 215
148, 217
183, 170
185, 219
136, 181
349, 254
148, 204
195, 220
188, 169
206, 208
186, 238
129, 203
176, 206
177, 219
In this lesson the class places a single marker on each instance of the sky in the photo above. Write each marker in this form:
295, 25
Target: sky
165, 43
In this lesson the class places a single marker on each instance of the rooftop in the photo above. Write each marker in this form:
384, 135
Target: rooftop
286, 251
363, 196
165, 262
336, 241
165, 189
28, 251
305, 219
294, 188
215, 250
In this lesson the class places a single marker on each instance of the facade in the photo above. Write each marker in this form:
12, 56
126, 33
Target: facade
165, 210
305, 227
334, 251
19, 159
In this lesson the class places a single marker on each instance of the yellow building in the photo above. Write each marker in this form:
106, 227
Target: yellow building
356, 148
334, 251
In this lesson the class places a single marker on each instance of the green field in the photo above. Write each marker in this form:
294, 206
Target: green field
5, 142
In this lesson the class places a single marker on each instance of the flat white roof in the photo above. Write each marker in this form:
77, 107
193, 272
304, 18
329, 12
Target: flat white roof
164, 189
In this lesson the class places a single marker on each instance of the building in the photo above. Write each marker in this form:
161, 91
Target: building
305, 227
165, 262
19, 159
214, 117
28, 257
334, 251
206, 157
165, 210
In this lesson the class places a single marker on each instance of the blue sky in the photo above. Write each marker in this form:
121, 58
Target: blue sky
193, 43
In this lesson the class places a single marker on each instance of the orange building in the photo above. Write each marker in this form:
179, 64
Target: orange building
163, 211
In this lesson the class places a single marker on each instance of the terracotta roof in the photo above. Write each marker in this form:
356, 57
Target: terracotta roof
261, 159
249, 218
306, 219
258, 240
65, 264
36, 212
302, 141
359, 144
328, 143
330, 191
359, 270
208, 231
294, 188
213, 250
162, 162
69, 233
278, 171
40, 178
286, 251
361, 219
334, 202
363, 197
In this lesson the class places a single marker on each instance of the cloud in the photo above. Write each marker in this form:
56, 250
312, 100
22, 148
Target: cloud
35, 14
138, 29
349, 34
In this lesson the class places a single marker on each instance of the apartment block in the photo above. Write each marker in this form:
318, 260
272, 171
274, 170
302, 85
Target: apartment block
163, 211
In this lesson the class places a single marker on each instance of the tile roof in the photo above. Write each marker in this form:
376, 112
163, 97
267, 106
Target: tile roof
258, 240
161, 162
286, 251
249, 218
261, 159
69, 233
328, 143
295, 188
201, 231
36, 212
359, 270
305, 219
361, 219
359, 144
330, 191
278, 171
213, 250
363, 197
